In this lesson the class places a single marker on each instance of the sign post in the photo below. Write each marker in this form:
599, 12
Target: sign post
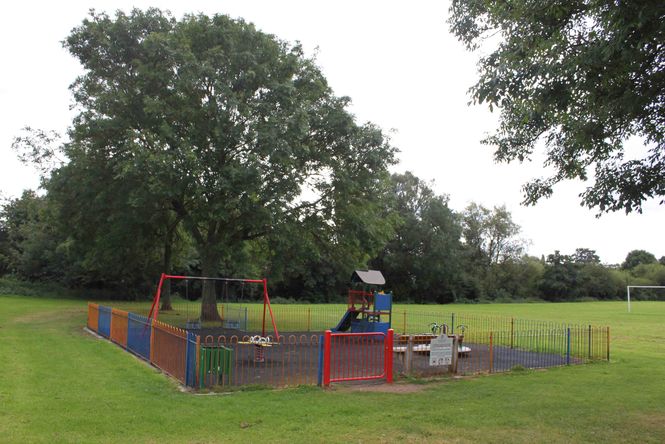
441, 351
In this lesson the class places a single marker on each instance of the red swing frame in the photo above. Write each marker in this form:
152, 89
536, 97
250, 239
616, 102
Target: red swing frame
154, 309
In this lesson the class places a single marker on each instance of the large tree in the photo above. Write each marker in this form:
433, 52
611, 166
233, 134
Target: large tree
582, 77
232, 130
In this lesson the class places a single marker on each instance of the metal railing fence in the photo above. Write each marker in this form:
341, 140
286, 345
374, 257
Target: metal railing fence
119, 326
233, 361
414, 319
168, 350
489, 344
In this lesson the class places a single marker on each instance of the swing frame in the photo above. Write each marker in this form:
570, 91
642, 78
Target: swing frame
154, 309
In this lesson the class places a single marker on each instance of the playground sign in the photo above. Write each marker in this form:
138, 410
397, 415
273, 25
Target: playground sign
441, 351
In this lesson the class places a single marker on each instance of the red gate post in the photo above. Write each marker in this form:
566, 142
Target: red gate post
388, 356
326, 358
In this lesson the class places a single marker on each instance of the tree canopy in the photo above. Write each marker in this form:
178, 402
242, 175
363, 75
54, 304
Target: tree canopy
210, 122
580, 77
638, 257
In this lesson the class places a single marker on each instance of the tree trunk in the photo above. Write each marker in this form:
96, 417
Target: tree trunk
168, 254
209, 310
166, 296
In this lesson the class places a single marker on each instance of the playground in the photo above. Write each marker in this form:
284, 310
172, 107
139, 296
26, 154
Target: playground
240, 347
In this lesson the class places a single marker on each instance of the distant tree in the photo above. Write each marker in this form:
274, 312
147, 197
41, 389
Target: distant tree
231, 129
585, 256
559, 278
595, 281
661, 261
491, 235
637, 257
578, 78
517, 279
653, 273
30, 242
422, 261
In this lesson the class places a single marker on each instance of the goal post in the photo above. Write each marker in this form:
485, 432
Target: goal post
628, 287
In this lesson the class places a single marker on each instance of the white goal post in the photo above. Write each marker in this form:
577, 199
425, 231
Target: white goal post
628, 287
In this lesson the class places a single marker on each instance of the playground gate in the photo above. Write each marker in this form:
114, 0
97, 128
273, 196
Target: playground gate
357, 357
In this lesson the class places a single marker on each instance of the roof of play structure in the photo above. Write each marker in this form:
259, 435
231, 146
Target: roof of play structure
370, 277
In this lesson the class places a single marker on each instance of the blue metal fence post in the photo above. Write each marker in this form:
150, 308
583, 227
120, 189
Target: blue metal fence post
568, 346
319, 373
190, 360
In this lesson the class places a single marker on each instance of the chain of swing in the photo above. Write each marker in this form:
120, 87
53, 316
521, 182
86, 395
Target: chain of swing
225, 292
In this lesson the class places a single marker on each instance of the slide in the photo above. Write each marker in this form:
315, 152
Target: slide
345, 323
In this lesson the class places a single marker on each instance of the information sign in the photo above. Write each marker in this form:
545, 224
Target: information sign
441, 351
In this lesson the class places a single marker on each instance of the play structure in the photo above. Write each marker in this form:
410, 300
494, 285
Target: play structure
368, 308
233, 318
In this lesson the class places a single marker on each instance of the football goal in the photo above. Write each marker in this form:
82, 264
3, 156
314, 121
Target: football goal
628, 287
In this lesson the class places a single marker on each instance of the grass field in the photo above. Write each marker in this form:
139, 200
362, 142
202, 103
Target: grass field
59, 384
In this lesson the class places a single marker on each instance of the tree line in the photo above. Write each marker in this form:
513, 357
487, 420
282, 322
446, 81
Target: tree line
429, 254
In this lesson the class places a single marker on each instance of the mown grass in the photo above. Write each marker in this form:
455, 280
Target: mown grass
59, 384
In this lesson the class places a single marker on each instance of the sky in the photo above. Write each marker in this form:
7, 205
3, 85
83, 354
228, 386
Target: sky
401, 67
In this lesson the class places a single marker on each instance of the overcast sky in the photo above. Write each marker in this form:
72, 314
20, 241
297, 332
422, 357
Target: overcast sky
396, 60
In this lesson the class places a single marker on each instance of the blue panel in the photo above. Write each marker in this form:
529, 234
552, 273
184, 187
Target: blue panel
360, 326
190, 369
104, 326
138, 335
380, 327
383, 302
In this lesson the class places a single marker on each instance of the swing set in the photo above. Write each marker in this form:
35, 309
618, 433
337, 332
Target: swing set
267, 309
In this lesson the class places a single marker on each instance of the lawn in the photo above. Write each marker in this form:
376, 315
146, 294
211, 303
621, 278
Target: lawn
60, 384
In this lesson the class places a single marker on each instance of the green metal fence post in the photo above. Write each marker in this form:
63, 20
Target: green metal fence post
202, 367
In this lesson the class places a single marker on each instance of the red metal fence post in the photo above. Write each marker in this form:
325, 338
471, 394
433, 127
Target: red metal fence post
151, 322
326, 358
388, 356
